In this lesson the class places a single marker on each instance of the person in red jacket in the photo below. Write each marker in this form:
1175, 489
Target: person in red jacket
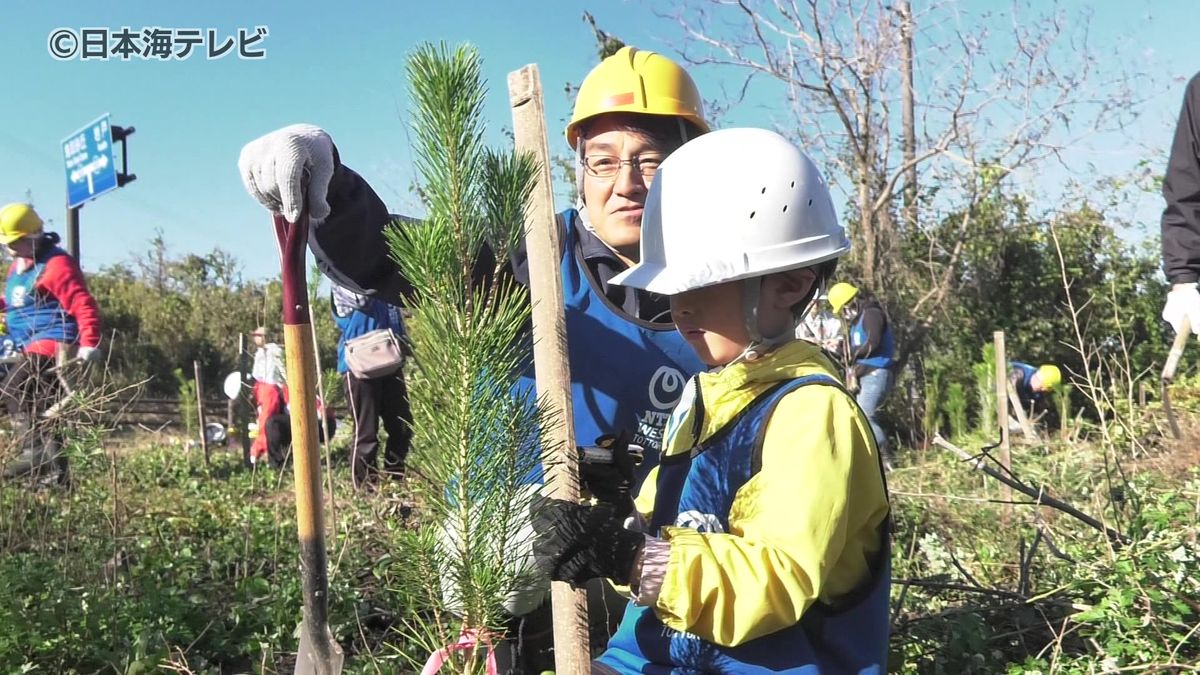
51, 316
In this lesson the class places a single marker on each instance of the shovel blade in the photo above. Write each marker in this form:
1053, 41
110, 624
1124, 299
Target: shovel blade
318, 655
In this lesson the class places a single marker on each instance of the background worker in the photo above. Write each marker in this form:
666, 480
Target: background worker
376, 398
1031, 384
278, 432
270, 389
871, 352
50, 314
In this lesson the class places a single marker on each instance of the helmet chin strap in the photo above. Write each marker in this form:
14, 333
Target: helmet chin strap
587, 225
760, 345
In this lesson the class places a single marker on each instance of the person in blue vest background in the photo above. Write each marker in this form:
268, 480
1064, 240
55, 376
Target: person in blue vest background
628, 364
49, 314
1032, 383
870, 349
765, 548
373, 399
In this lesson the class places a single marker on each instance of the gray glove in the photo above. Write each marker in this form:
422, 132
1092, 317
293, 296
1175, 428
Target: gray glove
280, 167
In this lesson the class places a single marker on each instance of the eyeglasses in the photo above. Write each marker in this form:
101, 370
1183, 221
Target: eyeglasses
607, 166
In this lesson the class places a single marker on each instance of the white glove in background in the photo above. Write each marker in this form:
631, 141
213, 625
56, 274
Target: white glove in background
1183, 301
279, 167
86, 354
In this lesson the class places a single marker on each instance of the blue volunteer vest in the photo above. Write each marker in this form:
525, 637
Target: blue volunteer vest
625, 373
1024, 391
358, 322
885, 355
697, 490
34, 316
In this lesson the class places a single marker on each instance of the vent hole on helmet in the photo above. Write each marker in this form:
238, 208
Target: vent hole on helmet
793, 183
810, 202
752, 213
764, 190
785, 208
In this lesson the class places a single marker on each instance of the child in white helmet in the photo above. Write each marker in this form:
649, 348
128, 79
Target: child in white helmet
765, 544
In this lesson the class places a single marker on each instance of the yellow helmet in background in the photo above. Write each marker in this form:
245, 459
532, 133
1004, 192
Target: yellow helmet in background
17, 221
840, 294
1050, 376
637, 81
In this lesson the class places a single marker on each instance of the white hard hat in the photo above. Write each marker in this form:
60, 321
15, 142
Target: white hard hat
733, 204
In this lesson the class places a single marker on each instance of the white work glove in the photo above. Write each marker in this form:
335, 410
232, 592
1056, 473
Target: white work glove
1183, 302
277, 170
87, 354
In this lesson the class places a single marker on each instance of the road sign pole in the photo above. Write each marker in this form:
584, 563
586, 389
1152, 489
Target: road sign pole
73, 231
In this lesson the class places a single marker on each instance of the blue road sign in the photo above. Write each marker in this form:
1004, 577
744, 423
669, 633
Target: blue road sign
91, 164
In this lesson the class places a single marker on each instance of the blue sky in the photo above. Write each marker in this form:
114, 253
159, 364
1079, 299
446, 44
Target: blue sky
340, 65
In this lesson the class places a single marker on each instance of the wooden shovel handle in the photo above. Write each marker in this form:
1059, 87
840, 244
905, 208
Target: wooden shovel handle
1181, 339
302, 378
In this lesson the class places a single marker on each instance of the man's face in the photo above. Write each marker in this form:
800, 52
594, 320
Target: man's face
259, 339
614, 205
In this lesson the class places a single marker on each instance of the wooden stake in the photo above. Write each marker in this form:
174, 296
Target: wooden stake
1002, 410
543, 240
243, 421
200, 413
1022, 419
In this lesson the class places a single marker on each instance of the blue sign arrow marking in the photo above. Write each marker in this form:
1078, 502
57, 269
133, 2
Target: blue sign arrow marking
90, 163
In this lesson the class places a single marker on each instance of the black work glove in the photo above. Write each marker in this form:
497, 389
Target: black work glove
575, 543
611, 483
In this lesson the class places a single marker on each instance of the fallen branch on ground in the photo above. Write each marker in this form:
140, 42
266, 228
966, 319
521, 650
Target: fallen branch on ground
1039, 494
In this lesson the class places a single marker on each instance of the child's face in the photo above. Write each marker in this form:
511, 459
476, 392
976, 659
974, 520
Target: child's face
711, 318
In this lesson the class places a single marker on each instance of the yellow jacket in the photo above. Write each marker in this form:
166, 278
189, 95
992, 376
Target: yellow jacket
805, 528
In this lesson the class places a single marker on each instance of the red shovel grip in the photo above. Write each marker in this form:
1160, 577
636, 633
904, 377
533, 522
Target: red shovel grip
293, 240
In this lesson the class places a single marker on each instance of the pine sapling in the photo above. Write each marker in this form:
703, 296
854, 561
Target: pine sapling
476, 443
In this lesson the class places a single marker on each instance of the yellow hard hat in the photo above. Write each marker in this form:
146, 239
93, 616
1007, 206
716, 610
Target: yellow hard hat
18, 220
840, 294
1050, 376
637, 81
